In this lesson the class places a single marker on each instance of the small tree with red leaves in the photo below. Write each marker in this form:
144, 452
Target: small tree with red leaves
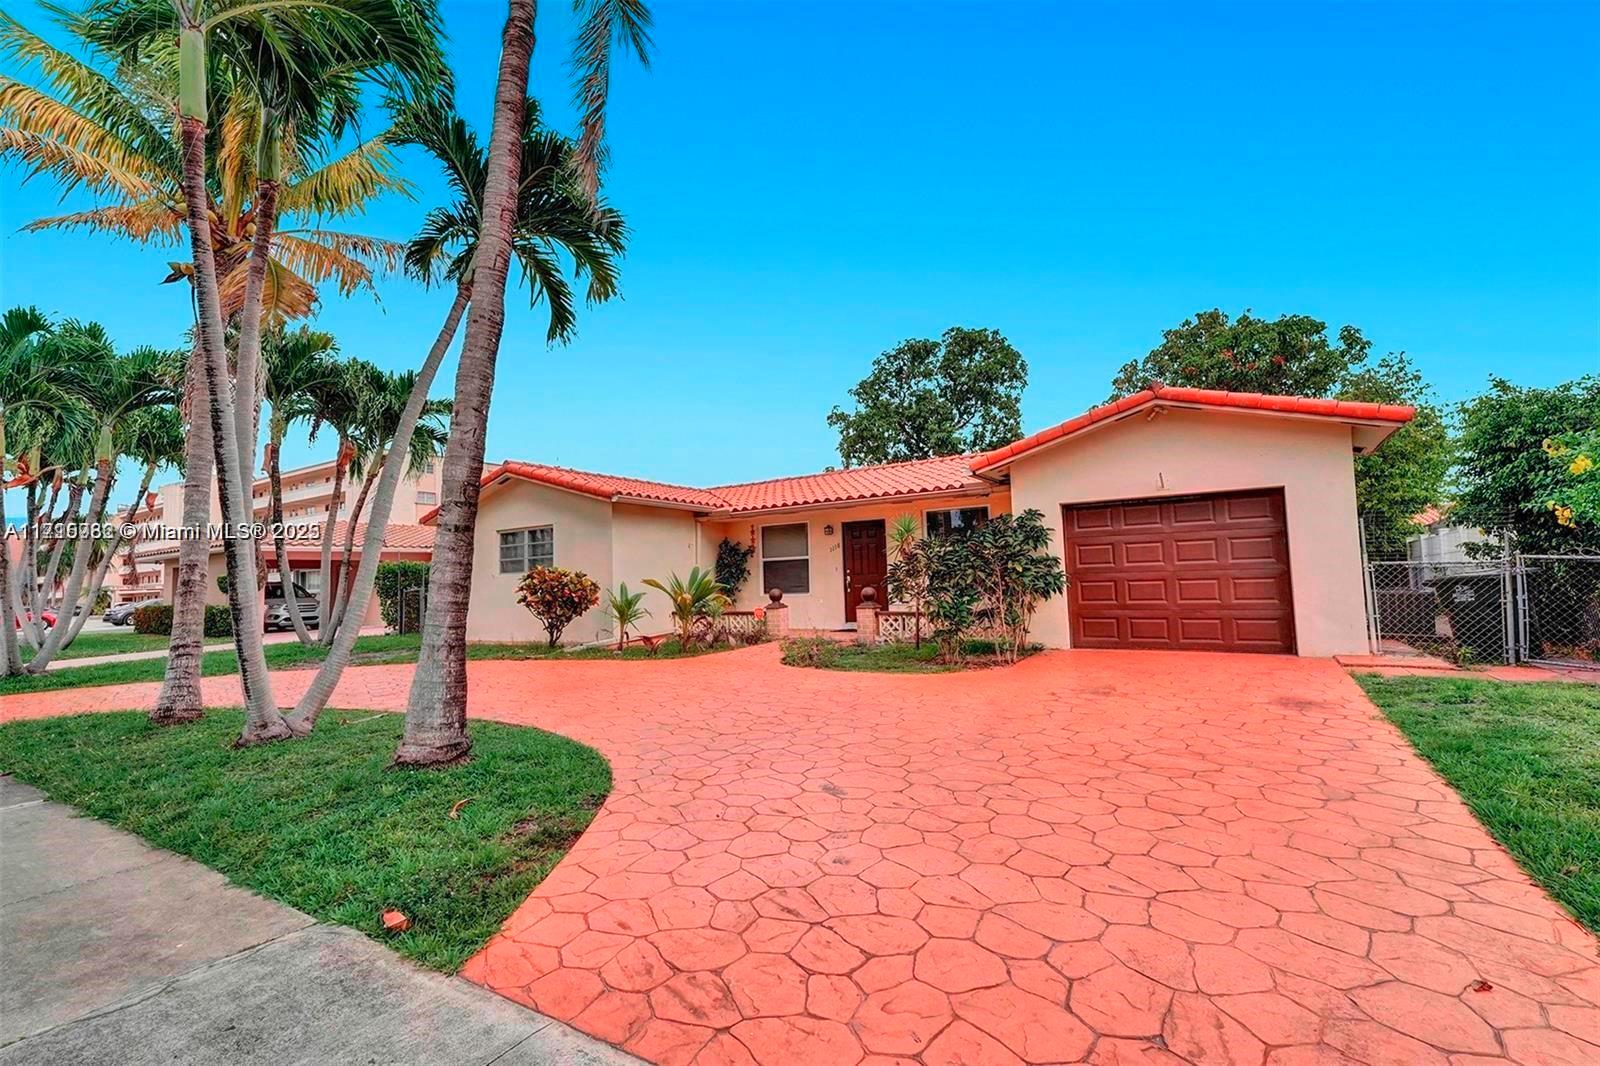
555, 597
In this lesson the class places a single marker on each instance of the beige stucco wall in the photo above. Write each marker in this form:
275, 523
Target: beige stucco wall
583, 541
653, 542
823, 606
1185, 452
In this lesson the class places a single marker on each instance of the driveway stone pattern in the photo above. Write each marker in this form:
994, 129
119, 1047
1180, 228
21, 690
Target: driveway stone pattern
1093, 856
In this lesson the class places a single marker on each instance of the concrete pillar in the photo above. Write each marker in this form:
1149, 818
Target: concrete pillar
777, 615
867, 616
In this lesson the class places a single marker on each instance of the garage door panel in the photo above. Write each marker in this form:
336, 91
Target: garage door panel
1203, 573
1144, 553
1094, 555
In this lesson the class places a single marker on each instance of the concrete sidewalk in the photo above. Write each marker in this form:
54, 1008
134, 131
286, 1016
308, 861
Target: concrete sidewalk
112, 951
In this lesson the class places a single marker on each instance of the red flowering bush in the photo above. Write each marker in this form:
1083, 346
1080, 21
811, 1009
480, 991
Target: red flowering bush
555, 597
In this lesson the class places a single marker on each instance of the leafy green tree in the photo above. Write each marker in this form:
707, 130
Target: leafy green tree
1293, 355
1289, 356
1504, 472
1409, 472
961, 393
1014, 571
1575, 477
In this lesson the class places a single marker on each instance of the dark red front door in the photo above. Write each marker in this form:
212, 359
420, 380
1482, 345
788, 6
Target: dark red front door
866, 563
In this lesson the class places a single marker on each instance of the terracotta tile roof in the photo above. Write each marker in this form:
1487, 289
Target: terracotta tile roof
917, 477
1159, 394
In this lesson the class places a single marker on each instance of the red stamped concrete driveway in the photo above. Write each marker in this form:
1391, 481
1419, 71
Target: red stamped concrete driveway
1105, 856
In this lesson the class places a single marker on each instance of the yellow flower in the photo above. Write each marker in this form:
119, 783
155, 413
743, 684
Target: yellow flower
1581, 465
1564, 516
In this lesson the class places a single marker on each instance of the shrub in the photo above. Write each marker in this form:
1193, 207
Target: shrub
219, 623
733, 566
393, 580
811, 651
555, 597
697, 602
153, 619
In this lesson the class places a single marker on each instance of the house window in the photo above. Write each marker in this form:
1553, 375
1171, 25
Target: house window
427, 497
957, 521
523, 549
786, 558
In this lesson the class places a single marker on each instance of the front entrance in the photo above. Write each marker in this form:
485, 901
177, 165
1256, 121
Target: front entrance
866, 563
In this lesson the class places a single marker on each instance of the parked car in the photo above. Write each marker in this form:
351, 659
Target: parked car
277, 616
122, 613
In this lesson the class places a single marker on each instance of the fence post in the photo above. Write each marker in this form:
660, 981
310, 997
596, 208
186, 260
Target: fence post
867, 616
777, 615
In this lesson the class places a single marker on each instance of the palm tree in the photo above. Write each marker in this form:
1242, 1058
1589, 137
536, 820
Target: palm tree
698, 596
115, 388
32, 388
626, 610
435, 725
378, 422
553, 219
96, 123
337, 402
300, 368
152, 436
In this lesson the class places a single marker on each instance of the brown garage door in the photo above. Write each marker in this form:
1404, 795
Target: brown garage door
1199, 573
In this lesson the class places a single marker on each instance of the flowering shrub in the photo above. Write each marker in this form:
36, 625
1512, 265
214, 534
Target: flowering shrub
555, 597
1574, 484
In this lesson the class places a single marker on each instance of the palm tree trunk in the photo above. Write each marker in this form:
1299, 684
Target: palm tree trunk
321, 688
52, 570
12, 655
342, 600
436, 713
263, 722
325, 604
98, 581
247, 360
180, 699
27, 588
80, 565
285, 575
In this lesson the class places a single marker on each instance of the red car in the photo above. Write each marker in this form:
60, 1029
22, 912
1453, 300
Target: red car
48, 616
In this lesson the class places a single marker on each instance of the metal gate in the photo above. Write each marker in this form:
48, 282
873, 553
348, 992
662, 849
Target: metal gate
1558, 609
1516, 609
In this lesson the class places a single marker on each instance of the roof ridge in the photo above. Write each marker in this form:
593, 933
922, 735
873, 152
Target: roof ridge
845, 470
599, 473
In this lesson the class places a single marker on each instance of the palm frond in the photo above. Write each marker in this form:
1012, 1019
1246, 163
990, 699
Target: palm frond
603, 24
143, 221
48, 136
347, 184
349, 259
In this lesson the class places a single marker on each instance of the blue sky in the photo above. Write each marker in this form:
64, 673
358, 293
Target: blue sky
810, 184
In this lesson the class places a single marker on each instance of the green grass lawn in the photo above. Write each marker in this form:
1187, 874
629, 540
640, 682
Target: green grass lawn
322, 824
826, 654
1526, 758
91, 644
387, 648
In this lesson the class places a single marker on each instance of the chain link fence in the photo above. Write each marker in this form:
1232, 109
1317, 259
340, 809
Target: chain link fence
1514, 609
411, 606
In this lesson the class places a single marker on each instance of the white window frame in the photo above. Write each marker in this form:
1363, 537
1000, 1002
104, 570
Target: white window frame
526, 541
950, 510
432, 497
761, 540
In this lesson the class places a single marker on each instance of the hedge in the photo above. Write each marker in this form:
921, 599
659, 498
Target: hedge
155, 619
394, 578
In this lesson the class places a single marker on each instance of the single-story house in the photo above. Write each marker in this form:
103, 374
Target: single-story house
1185, 519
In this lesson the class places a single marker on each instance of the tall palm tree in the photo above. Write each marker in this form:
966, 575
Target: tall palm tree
115, 388
32, 386
259, 41
435, 725
152, 437
337, 402
96, 123
555, 221
300, 367
378, 422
